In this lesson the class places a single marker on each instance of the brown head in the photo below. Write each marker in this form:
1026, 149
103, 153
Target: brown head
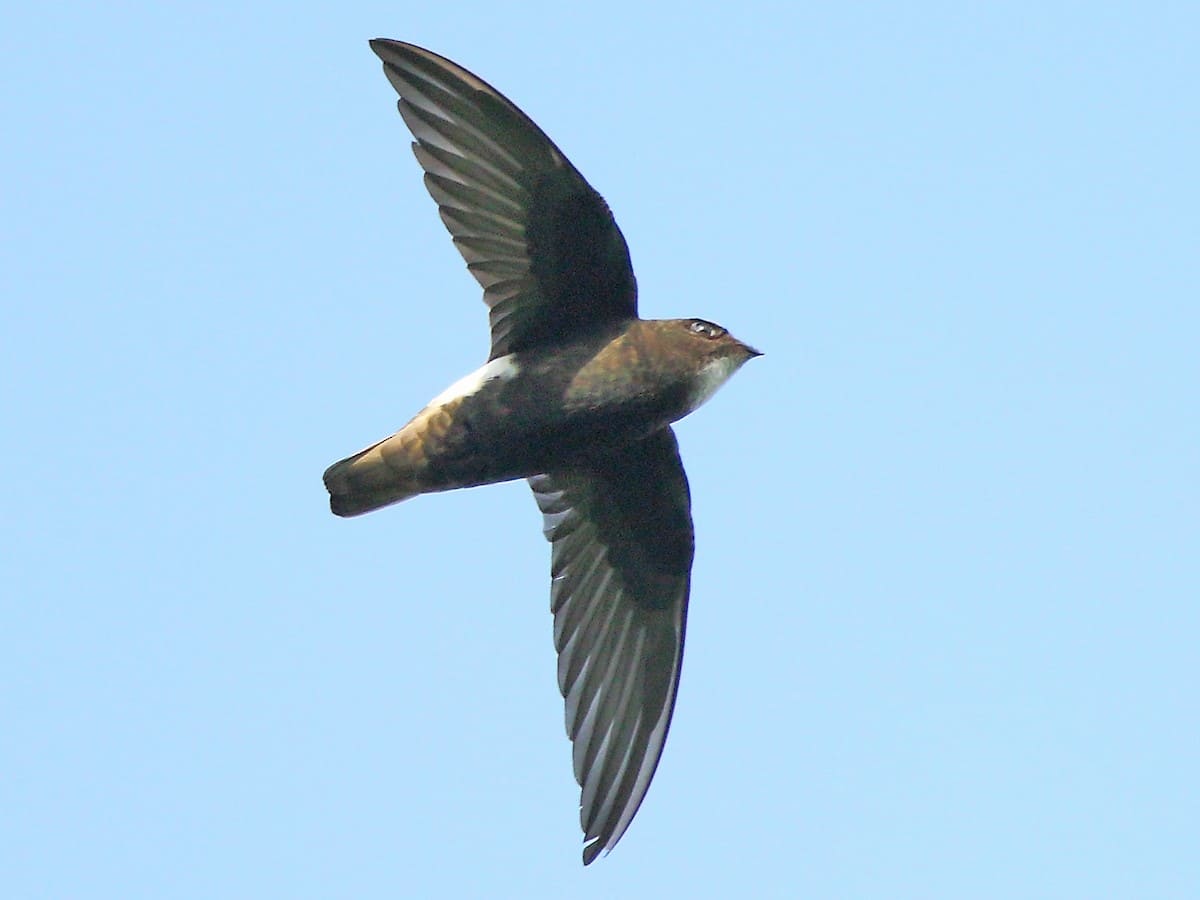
697, 352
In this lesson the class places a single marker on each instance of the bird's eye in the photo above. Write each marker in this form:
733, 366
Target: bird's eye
708, 329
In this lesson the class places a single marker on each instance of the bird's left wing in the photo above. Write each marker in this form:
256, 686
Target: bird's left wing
621, 530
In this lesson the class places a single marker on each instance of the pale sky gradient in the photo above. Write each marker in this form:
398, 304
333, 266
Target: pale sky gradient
943, 634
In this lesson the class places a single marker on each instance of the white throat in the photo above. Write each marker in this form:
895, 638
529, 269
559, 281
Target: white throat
711, 376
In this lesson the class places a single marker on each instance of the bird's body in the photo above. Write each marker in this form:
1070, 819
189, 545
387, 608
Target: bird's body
531, 412
577, 396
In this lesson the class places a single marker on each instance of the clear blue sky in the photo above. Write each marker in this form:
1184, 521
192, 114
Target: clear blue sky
944, 629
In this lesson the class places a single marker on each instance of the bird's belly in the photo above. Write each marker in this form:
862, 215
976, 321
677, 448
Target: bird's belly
489, 441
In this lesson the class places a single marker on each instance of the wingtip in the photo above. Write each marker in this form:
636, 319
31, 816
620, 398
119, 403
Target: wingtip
390, 47
383, 47
592, 852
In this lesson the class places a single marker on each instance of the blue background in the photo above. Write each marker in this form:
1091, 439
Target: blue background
944, 620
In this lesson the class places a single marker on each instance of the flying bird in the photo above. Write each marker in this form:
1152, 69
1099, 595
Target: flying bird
577, 396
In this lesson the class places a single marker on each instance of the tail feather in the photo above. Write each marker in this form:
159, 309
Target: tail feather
368, 480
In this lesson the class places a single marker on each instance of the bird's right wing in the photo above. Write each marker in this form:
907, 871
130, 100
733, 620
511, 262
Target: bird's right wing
537, 237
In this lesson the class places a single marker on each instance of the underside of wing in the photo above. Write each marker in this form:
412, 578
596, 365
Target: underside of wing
537, 237
621, 531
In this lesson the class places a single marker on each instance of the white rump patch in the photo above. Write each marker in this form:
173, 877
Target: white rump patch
504, 368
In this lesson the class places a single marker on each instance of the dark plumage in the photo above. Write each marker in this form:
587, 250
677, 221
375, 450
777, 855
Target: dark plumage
577, 396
